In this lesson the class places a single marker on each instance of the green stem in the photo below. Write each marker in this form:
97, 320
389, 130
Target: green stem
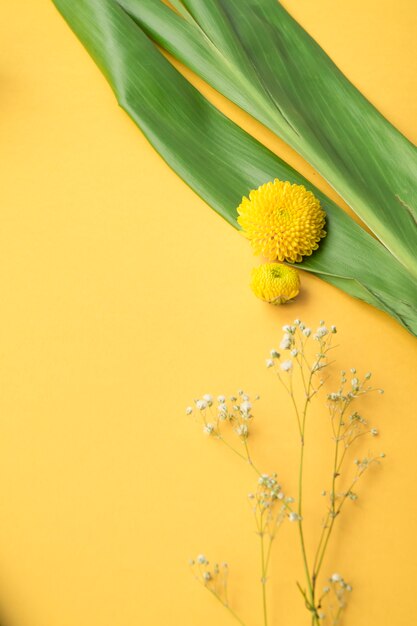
302, 424
249, 458
264, 574
227, 607
331, 516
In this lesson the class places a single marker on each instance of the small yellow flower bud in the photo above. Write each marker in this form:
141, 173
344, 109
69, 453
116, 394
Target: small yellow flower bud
275, 283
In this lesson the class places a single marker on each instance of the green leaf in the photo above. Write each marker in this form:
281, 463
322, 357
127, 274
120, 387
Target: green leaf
255, 53
220, 161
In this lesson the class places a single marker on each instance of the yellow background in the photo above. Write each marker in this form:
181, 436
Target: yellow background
123, 297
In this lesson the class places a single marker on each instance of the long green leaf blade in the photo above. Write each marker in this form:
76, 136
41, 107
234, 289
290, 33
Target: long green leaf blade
242, 46
220, 161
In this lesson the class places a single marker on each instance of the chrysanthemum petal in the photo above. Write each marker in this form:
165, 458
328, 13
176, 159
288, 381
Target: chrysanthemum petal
283, 222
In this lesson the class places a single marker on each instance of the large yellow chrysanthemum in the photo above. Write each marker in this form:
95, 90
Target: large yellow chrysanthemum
283, 222
275, 283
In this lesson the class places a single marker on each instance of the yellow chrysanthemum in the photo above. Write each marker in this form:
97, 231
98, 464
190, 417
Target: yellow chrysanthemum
283, 222
275, 283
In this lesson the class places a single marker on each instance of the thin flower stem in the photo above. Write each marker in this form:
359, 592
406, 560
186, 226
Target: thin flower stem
226, 606
249, 458
273, 535
261, 530
337, 512
242, 456
264, 573
302, 423
311, 605
332, 514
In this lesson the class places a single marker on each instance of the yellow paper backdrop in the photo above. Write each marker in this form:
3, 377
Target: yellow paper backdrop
123, 297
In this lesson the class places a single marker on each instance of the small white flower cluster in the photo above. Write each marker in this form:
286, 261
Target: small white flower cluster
356, 387
215, 577
352, 424
365, 462
270, 499
337, 579
237, 410
293, 340
338, 587
268, 491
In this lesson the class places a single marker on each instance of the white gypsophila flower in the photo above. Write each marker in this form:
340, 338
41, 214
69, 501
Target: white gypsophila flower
334, 396
286, 366
221, 399
245, 397
336, 578
286, 342
274, 354
307, 332
222, 411
201, 405
207, 576
262, 479
188, 410
294, 517
242, 431
208, 429
374, 432
269, 363
355, 382
208, 398
294, 352
321, 332
201, 559
245, 407
286, 328
297, 322
333, 329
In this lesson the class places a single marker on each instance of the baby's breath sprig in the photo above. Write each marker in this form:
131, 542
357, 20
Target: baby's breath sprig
234, 414
215, 579
301, 361
307, 353
336, 592
269, 504
270, 507
348, 426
